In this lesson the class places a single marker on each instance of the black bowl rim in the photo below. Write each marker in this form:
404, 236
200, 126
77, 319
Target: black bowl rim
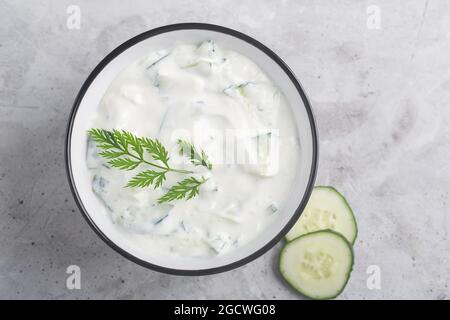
192, 26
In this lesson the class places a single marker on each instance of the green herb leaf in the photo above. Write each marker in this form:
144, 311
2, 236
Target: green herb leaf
188, 188
156, 149
111, 154
147, 178
124, 163
105, 139
197, 158
119, 138
133, 141
125, 151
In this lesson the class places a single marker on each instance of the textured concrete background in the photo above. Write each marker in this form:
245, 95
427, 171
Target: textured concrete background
381, 98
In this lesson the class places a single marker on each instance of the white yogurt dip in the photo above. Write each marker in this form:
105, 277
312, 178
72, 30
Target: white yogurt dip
223, 103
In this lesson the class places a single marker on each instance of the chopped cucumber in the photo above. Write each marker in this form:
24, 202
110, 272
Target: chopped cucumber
236, 90
263, 154
219, 242
92, 157
152, 60
318, 264
326, 209
273, 207
208, 52
99, 186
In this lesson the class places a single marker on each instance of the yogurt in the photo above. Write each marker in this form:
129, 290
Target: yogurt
224, 104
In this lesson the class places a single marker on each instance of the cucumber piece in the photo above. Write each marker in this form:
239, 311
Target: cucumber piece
262, 151
99, 186
236, 90
326, 209
318, 264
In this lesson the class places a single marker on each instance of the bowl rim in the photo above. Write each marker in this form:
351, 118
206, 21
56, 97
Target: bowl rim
191, 26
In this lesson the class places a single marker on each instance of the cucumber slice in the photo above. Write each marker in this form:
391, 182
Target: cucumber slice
326, 209
318, 264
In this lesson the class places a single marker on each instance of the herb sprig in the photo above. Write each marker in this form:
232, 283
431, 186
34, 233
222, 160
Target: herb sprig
197, 158
188, 188
125, 151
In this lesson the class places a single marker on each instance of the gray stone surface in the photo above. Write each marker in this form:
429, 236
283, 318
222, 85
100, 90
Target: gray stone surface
380, 97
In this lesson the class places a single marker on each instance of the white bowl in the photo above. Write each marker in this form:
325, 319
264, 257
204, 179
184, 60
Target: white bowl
84, 110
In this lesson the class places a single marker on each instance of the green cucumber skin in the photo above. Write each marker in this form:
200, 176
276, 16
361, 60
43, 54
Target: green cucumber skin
348, 273
349, 207
346, 203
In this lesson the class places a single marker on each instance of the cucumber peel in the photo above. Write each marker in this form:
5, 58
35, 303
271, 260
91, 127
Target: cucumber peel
317, 264
318, 257
327, 208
